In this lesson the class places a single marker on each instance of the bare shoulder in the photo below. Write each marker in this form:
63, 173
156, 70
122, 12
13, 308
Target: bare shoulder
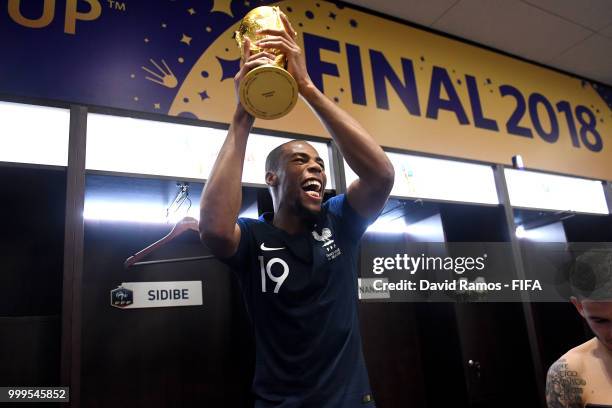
565, 382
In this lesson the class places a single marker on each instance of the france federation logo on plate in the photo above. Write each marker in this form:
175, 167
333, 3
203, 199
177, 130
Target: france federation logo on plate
121, 297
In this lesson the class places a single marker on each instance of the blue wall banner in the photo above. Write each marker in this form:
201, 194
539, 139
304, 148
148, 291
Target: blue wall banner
411, 89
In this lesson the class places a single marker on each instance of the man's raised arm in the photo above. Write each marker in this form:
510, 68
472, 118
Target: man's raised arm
222, 195
368, 194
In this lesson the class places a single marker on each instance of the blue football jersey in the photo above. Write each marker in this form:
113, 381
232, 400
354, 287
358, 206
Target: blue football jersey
301, 293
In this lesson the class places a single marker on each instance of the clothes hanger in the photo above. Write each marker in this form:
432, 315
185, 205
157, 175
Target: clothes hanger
185, 224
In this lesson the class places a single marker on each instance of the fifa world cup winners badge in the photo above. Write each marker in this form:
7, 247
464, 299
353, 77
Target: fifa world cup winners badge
267, 91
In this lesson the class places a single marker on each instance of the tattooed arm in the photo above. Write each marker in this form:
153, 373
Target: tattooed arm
564, 384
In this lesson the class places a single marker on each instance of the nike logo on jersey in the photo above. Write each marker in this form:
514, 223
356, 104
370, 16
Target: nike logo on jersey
265, 248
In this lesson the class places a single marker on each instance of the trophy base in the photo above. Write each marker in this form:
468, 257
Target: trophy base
268, 92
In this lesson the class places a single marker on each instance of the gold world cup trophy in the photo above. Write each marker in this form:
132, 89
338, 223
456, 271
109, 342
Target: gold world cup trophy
267, 91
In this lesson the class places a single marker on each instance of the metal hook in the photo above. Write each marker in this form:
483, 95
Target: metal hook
181, 196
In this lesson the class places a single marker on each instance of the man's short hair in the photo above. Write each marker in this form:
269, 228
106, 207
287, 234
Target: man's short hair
591, 275
273, 159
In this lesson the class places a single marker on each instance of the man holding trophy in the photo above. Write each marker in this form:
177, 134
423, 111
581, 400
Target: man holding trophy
297, 266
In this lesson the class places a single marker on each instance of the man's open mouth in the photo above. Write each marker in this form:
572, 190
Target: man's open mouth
312, 187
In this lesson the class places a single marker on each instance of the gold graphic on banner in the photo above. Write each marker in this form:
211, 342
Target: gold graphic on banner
164, 76
223, 6
186, 39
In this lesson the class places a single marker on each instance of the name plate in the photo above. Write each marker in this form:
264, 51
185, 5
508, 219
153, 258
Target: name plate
132, 295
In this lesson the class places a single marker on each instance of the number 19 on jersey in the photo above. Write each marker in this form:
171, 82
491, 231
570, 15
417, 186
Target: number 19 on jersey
267, 270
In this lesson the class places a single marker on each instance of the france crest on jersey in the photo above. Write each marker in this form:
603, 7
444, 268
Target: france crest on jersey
301, 293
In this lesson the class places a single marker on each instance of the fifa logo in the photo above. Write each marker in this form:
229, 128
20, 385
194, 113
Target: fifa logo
47, 14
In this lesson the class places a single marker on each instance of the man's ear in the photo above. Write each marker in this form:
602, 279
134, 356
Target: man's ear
578, 305
271, 179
